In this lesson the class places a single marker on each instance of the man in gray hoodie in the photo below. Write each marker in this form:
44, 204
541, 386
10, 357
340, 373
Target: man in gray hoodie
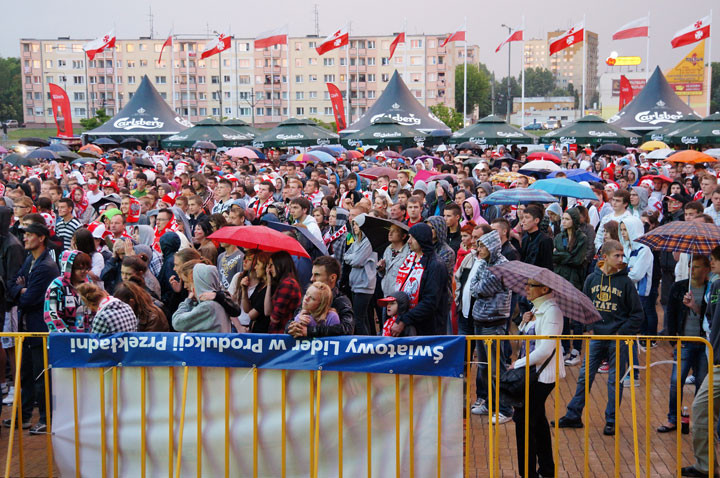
446, 255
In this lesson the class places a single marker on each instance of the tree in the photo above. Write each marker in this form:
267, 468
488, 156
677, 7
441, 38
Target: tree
715, 93
478, 89
447, 115
501, 94
10, 90
328, 126
539, 82
100, 118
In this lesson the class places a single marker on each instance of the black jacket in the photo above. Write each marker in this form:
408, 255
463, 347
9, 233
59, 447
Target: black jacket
616, 298
12, 254
37, 275
537, 249
677, 312
343, 307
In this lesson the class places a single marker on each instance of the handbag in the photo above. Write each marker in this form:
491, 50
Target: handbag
512, 383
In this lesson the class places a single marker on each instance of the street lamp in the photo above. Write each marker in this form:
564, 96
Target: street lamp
510, 30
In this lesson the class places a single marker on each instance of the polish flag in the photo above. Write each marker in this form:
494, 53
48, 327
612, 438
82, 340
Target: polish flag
517, 35
693, 33
272, 37
216, 45
575, 35
336, 40
457, 36
398, 39
639, 28
99, 44
168, 42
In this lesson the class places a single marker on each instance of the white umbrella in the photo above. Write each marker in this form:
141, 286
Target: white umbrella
660, 153
715, 152
541, 165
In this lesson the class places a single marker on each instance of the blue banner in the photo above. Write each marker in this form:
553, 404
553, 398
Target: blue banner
435, 356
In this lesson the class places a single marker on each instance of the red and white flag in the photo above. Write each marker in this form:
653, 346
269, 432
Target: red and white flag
99, 44
639, 28
398, 39
272, 37
216, 45
692, 33
575, 35
517, 35
336, 40
168, 42
457, 36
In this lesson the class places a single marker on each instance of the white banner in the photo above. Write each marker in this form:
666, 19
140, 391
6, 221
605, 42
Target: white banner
297, 421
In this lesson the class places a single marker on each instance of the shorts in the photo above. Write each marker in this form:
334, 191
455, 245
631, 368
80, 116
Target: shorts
10, 325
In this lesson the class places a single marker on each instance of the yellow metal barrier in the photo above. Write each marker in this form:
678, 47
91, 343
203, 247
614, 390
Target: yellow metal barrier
175, 450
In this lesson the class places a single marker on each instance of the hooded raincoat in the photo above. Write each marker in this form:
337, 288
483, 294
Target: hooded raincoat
492, 298
204, 316
638, 257
63, 310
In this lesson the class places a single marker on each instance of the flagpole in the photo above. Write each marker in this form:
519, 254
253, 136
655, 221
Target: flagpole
347, 76
172, 71
117, 98
647, 58
584, 65
405, 60
272, 86
221, 82
236, 99
709, 73
289, 75
87, 84
187, 74
522, 72
465, 78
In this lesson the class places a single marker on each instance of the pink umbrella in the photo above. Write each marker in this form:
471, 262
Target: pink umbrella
3, 150
241, 152
424, 175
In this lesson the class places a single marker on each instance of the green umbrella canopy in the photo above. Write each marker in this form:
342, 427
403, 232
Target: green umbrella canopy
385, 132
661, 133
295, 132
242, 127
591, 130
491, 130
705, 132
207, 130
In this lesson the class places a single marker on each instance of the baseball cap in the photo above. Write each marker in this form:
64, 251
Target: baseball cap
36, 228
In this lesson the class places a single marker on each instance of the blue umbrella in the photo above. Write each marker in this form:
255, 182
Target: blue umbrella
563, 187
577, 175
42, 153
57, 147
323, 156
517, 196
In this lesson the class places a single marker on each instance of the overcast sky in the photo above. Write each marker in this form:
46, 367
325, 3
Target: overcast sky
88, 19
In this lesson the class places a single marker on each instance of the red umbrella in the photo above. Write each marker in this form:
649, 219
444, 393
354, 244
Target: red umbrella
374, 173
353, 154
545, 156
657, 176
258, 237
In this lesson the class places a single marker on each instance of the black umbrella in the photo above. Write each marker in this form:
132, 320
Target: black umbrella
204, 145
57, 147
19, 160
105, 142
376, 230
472, 161
130, 141
42, 153
612, 148
112, 199
468, 145
412, 152
313, 246
39, 142
144, 162
67, 156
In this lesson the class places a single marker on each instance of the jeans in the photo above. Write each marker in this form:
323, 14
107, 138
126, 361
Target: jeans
481, 383
572, 327
650, 321
599, 350
701, 420
466, 325
539, 447
32, 379
364, 325
692, 356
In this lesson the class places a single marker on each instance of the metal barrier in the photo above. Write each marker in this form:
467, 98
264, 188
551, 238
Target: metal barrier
494, 342
175, 450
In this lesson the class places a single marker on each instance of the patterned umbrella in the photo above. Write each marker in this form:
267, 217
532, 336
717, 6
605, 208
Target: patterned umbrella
374, 173
577, 175
573, 303
517, 196
682, 236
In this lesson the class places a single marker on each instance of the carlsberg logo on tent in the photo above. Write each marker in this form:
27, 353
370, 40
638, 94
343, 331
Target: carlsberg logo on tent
478, 140
403, 120
568, 139
655, 117
716, 132
183, 122
511, 134
323, 141
128, 123
177, 137
689, 140
289, 136
602, 133
394, 134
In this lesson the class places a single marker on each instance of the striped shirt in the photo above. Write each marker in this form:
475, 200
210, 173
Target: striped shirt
65, 230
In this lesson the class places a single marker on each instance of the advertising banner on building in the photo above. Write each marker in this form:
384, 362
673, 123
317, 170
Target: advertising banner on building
687, 77
61, 111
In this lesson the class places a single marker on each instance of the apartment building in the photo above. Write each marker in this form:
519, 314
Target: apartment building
566, 65
260, 86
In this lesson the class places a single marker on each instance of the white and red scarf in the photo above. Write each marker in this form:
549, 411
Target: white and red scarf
408, 278
259, 208
329, 238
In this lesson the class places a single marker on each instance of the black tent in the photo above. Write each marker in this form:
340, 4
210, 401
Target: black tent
655, 106
146, 116
399, 104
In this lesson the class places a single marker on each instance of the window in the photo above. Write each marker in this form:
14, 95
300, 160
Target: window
312, 78
36, 47
227, 94
416, 43
326, 95
158, 47
143, 47
243, 46
417, 93
342, 61
77, 112
329, 78
200, 79
226, 78
312, 44
48, 79
312, 95
244, 63
416, 60
39, 111
28, 80
131, 80
48, 48
163, 95
160, 80
299, 95
371, 94
328, 61
385, 77
371, 61
300, 111
328, 111
76, 48
215, 95
203, 111
432, 60
228, 111
201, 95
214, 80
48, 63
244, 79
129, 47
78, 80
78, 64
143, 63
28, 95
131, 63
216, 111
61, 64
313, 110
371, 44
431, 43
441, 60
78, 96
29, 112
312, 61
26, 49
415, 77
399, 60
260, 111
384, 61
244, 111
431, 77
298, 78
431, 94
371, 77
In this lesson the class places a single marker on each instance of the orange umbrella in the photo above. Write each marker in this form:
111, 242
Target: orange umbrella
93, 148
690, 157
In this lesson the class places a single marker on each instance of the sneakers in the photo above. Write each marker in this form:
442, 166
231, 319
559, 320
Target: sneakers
609, 429
481, 409
566, 422
626, 381
604, 368
692, 471
500, 419
4, 388
690, 380
8, 423
10, 397
574, 358
38, 429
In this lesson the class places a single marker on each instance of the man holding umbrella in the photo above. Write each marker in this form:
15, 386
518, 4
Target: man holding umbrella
616, 299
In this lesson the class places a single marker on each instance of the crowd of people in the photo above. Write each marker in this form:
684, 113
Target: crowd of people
110, 246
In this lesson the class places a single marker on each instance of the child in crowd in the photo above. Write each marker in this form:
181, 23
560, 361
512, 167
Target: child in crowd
316, 306
397, 304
